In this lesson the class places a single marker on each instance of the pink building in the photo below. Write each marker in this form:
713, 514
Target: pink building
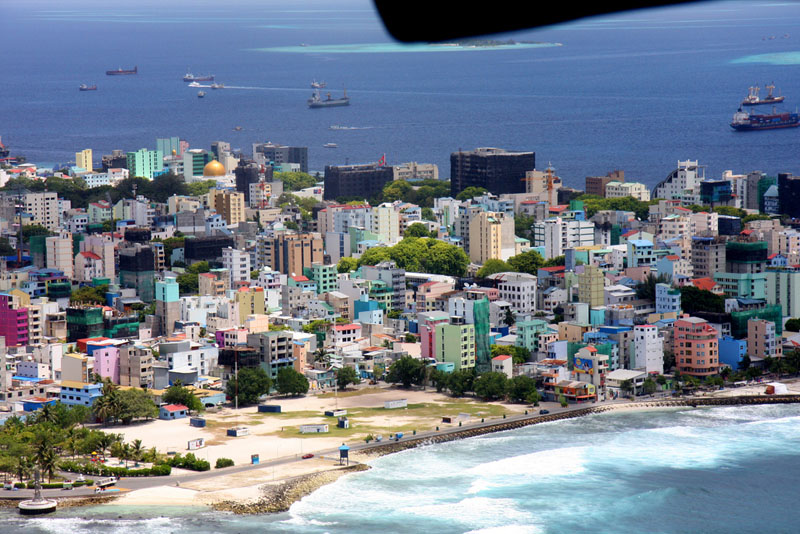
427, 331
696, 346
13, 323
106, 363
231, 337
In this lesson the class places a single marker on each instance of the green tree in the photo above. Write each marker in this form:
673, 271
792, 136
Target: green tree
428, 214
417, 230
290, 382
252, 383
694, 300
347, 264
31, 230
528, 262
461, 382
406, 371
491, 385
523, 224
295, 181
792, 325
626, 386
89, 295
178, 394
470, 193
493, 266
649, 386
346, 376
520, 387
135, 403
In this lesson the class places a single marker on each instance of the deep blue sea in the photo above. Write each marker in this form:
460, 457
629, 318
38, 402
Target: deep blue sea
635, 91
726, 470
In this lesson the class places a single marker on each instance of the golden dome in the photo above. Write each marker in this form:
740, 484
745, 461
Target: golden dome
214, 168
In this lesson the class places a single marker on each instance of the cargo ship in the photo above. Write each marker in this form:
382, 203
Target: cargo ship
744, 121
317, 102
752, 98
189, 77
120, 71
84, 87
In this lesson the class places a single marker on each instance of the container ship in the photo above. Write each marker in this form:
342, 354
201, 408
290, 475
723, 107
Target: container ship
744, 121
317, 102
120, 71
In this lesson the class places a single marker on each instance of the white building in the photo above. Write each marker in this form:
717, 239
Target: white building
648, 349
682, 183
238, 264
636, 190
518, 289
557, 235
44, 209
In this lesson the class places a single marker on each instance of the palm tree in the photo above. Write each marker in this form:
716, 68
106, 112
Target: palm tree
137, 450
46, 458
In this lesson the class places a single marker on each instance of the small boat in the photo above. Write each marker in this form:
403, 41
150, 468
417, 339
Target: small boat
201, 94
195, 84
218, 86
330, 145
318, 85
84, 87
237, 128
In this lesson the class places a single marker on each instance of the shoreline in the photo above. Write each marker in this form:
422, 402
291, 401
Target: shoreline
278, 496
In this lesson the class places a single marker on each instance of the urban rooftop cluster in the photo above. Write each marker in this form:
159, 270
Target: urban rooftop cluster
187, 266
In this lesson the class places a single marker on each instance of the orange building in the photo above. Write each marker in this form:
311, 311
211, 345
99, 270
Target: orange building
696, 345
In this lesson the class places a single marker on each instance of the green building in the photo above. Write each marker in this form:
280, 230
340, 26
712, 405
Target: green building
145, 163
326, 277
455, 343
84, 322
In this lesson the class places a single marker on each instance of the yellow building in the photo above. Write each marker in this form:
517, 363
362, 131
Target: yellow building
590, 286
491, 236
229, 204
83, 159
250, 301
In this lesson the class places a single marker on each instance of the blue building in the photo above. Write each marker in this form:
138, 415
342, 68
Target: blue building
80, 393
173, 411
668, 300
731, 351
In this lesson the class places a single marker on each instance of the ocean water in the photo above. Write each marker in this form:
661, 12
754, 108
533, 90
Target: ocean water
635, 91
704, 470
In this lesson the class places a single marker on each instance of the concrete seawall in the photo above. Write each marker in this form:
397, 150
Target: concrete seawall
488, 428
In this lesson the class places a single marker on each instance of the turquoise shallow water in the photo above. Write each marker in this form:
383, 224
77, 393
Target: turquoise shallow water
709, 470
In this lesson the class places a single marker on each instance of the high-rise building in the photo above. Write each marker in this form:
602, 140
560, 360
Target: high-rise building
135, 365
762, 340
169, 146
685, 177
291, 253
168, 306
591, 283
247, 172
455, 343
491, 237
648, 349
266, 153
708, 256
83, 159
696, 347
137, 270
229, 204
43, 208
194, 163
494, 169
789, 194
746, 258
394, 277
557, 235
237, 263
145, 163
361, 181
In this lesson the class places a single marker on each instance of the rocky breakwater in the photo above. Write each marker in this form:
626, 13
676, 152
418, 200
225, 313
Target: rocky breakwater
280, 497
